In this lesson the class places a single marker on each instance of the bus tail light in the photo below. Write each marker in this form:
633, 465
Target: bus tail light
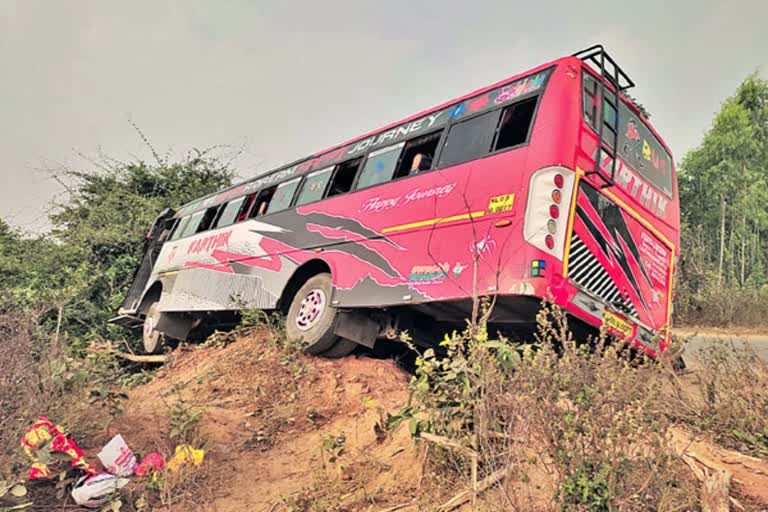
549, 193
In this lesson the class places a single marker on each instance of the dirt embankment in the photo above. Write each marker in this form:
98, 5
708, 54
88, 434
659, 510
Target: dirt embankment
272, 422
286, 432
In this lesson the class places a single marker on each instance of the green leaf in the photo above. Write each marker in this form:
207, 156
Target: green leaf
413, 426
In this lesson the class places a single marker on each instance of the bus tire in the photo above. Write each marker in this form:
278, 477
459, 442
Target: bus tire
342, 348
311, 317
153, 339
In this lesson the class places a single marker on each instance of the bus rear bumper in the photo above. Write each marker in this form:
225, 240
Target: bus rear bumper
617, 323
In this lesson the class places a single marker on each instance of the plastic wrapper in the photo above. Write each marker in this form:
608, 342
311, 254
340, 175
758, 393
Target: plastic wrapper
117, 458
151, 463
185, 454
44, 434
93, 491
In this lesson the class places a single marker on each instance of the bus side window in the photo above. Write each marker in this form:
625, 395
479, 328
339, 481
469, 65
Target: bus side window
418, 155
245, 208
469, 139
180, 227
344, 177
380, 166
314, 186
261, 202
168, 227
207, 221
174, 229
283, 195
515, 124
229, 212
192, 224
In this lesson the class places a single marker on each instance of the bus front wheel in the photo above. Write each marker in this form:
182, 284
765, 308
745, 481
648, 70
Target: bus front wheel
311, 317
152, 338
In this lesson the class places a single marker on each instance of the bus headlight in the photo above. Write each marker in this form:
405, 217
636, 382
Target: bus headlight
549, 198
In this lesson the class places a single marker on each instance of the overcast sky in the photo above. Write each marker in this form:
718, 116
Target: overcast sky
287, 79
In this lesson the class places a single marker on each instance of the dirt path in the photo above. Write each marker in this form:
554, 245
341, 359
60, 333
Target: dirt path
700, 339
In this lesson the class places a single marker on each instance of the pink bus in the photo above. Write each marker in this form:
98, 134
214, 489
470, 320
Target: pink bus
503, 192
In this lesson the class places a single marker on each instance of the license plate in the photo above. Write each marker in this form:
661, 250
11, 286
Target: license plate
617, 325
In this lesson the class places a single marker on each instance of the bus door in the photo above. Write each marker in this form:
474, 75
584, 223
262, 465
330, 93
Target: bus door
156, 237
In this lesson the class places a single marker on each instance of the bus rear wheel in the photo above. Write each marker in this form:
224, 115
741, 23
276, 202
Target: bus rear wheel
311, 317
342, 348
152, 338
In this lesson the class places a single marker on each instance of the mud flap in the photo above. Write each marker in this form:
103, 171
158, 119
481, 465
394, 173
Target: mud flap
176, 326
358, 327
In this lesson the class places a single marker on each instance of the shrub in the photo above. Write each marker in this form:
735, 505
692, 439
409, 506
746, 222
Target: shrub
721, 306
726, 398
587, 416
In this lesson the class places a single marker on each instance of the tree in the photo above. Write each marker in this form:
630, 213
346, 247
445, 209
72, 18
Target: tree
83, 268
723, 195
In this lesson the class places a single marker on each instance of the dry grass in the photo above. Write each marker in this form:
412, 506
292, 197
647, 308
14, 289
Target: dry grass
720, 306
577, 427
36, 378
725, 399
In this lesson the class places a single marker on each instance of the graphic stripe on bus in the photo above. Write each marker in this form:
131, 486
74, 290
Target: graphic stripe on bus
571, 216
432, 222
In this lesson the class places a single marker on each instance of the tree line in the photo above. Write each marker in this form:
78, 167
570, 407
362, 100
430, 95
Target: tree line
723, 187
77, 275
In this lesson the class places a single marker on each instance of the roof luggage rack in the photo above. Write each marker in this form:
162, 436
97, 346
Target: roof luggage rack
610, 74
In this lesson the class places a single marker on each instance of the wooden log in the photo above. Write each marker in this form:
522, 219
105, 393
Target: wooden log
482, 485
159, 358
447, 443
748, 474
110, 348
715, 492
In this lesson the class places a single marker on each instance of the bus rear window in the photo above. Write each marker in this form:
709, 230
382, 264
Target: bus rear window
643, 152
638, 146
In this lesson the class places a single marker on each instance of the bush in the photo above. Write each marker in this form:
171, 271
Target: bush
721, 306
586, 416
727, 400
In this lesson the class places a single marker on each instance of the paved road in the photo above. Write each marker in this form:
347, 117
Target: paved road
758, 342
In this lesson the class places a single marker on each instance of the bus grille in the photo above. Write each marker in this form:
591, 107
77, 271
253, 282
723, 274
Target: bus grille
586, 271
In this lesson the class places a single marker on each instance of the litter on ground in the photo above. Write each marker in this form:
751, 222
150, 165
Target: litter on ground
185, 454
90, 491
117, 458
44, 438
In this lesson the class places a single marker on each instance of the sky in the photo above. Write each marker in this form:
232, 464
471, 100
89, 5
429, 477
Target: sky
281, 80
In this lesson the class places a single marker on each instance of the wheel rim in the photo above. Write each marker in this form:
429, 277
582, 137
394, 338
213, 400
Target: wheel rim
151, 336
310, 309
149, 326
